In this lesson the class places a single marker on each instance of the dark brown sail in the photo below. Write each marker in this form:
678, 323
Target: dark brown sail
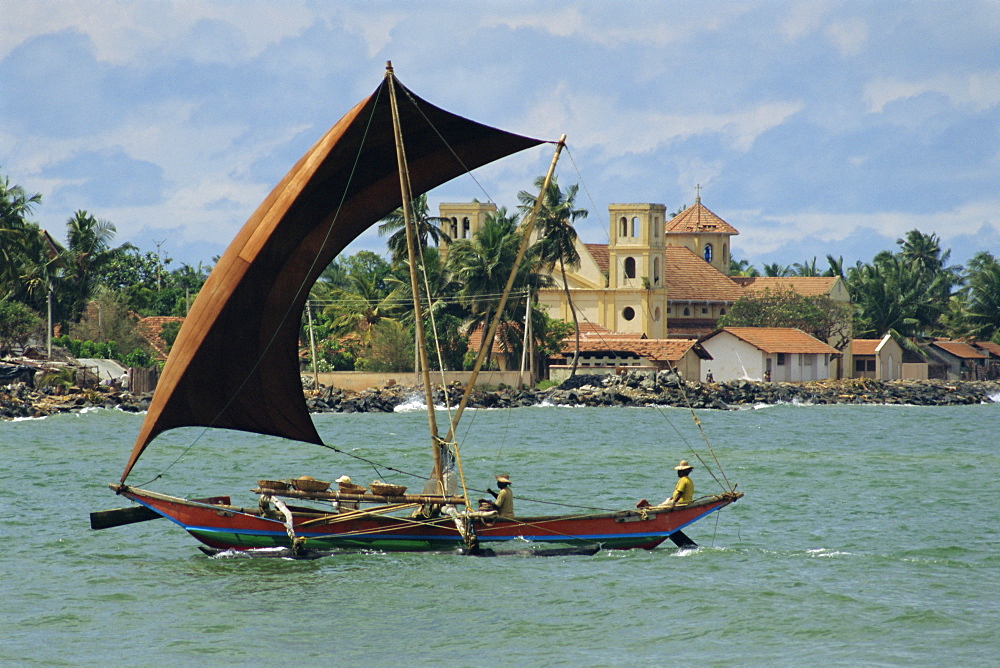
234, 364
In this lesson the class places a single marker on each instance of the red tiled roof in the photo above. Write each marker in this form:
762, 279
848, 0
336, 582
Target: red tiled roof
698, 218
689, 277
150, 329
600, 254
804, 285
656, 350
959, 349
691, 328
778, 339
588, 328
988, 346
476, 339
864, 346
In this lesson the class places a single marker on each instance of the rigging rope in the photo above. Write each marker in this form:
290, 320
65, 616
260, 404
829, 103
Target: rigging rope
670, 367
288, 312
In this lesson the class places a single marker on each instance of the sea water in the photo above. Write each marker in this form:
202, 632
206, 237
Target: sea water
868, 536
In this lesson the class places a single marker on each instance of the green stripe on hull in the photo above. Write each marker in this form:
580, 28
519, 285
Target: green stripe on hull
390, 544
248, 541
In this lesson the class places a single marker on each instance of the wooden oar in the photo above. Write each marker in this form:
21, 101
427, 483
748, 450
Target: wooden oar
105, 519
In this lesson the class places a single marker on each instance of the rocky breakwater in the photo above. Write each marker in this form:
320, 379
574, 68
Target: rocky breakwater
667, 389
629, 389
387, 400
20, 401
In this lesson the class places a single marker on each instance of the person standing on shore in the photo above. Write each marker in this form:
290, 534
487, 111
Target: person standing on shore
684, 491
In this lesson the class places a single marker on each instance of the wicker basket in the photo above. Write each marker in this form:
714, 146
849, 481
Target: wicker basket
273, 484
350, 488
380, 488
307, 485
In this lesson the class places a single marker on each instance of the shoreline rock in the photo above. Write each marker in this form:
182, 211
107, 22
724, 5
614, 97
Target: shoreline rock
633, 389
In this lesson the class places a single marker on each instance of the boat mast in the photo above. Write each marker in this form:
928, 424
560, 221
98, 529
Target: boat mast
411, 251
487, 341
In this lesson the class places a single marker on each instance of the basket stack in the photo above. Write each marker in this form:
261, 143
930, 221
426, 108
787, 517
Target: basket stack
278, 485
351, 488
307, 484
380, 488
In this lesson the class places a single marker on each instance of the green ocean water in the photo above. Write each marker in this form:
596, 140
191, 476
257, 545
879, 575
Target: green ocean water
868, 536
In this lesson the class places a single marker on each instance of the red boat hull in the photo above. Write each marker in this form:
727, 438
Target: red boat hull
223, 526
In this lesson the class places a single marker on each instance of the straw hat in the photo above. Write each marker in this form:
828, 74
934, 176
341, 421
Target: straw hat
504, 477
683, 465
344, 478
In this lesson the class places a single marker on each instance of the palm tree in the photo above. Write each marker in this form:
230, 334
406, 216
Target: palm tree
742, 268
923, 251
775, 270
89, 247
923, 254
481, 266
836, 266
357, 308
427, 228
983, 301
557, 242
807, 268
891, 296
15, 207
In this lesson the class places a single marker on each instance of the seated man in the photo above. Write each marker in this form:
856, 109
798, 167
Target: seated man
684, 490
504, 504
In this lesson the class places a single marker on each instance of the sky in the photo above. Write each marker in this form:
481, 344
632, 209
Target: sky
814, 128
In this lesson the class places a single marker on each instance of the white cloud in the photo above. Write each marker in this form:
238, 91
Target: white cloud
976, 91
595, 121
848, 36
122, 32
803, 19
375, 28
772, 232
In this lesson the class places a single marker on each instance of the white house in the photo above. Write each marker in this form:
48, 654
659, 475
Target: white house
779, 354
877, 358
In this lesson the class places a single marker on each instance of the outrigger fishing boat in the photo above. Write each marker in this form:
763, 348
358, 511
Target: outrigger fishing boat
234, 364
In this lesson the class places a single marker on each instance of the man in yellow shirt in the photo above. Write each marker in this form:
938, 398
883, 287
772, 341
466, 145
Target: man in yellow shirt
504, 503
684, 490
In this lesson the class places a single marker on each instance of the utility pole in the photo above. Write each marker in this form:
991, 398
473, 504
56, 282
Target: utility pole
159, 264
312, 345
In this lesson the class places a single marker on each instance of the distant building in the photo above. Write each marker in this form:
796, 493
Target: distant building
659, 277
604, 352
962, 361
880, 359
779, 354
151, 327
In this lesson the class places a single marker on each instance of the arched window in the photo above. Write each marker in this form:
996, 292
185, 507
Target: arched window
656, 226
624, 225
466, 227
630, 267
656, 314
635, 226
722, 311
687, 311
708, 252
454, 228
725, 254
656, 271
628, 313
